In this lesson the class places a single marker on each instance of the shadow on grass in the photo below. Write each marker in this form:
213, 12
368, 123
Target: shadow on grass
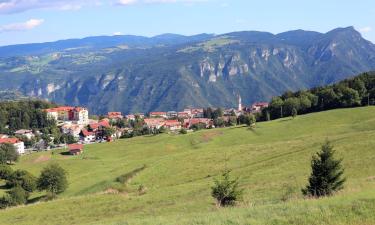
36, 199
253, 130
285, 120
65, 153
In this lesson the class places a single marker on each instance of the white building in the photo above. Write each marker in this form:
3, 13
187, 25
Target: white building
19, 145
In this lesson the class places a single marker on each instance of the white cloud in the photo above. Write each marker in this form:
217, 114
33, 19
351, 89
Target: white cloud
127, 2
17, 6
28, 25
117, 33
365, 29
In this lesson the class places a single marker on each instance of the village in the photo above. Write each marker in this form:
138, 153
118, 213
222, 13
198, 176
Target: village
82, 129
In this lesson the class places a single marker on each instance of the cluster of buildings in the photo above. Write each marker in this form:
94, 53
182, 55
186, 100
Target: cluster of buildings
75, 122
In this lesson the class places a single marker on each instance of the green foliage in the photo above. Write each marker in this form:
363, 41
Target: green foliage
183, 131
53, 179
15, 196
25, 114
347, 93
8, 153
226, 191
198, 126
294, 112
22, 178
5, 171
326, 176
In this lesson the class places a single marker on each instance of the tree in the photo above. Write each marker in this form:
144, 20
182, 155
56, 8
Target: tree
53, 180
226, 191
8, 153
22, 178
251, 120
108, 131
326, 176
294, 112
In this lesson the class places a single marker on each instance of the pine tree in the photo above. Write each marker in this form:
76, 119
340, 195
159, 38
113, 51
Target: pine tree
327, 173
226, 191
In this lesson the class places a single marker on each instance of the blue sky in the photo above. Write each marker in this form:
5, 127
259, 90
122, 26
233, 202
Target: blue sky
26, 21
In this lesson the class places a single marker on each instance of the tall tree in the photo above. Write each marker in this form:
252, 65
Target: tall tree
53, 180
327, 173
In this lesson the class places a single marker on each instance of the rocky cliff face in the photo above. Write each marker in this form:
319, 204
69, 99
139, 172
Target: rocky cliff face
210, 70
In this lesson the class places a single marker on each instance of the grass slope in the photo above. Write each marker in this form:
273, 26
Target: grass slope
272, 160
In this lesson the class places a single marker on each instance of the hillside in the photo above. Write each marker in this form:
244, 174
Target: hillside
171, 72
273, 161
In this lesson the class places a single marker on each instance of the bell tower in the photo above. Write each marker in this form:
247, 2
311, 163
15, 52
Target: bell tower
239, 103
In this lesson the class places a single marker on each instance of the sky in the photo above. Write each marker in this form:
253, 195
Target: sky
33, 21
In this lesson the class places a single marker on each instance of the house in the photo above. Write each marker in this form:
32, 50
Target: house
115, 116
188, 123
154, 123
87, 136
19, 145
172, 125
99, 127
3, 136
130, 117
72, 129
158, 114
75, 149
27, 133
195, 112
172, 114
68, 113
258, 106
183, 115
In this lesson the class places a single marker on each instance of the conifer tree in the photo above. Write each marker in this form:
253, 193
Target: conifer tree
327, 173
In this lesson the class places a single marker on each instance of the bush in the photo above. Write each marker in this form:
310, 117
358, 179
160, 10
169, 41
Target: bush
23, 179
183, 131
5, 172
15, 196
226, 191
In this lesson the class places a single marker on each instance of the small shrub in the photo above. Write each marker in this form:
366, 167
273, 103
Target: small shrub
142, 190
15, 196
226, 191
183, 131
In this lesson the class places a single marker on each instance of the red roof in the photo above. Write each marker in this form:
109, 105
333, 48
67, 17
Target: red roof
87, 133
171, 123
261, 104
65, 108
115, 115
102, 123
158, 113
9, 140
73, 147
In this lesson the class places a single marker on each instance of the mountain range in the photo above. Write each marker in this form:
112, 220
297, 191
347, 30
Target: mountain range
170, 72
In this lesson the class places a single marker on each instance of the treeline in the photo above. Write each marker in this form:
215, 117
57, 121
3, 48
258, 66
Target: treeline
25, 114
357, 91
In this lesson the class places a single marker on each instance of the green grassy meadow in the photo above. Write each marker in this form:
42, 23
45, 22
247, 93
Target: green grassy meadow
272, 161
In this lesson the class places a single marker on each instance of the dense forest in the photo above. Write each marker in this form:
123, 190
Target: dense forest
353, 92
25, 114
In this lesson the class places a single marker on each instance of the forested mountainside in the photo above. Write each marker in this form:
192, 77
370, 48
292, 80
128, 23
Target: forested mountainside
171, 72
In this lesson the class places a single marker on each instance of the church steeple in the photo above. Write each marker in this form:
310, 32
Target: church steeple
239, 103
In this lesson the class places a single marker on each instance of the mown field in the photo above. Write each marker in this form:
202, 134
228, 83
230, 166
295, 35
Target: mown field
272, 161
